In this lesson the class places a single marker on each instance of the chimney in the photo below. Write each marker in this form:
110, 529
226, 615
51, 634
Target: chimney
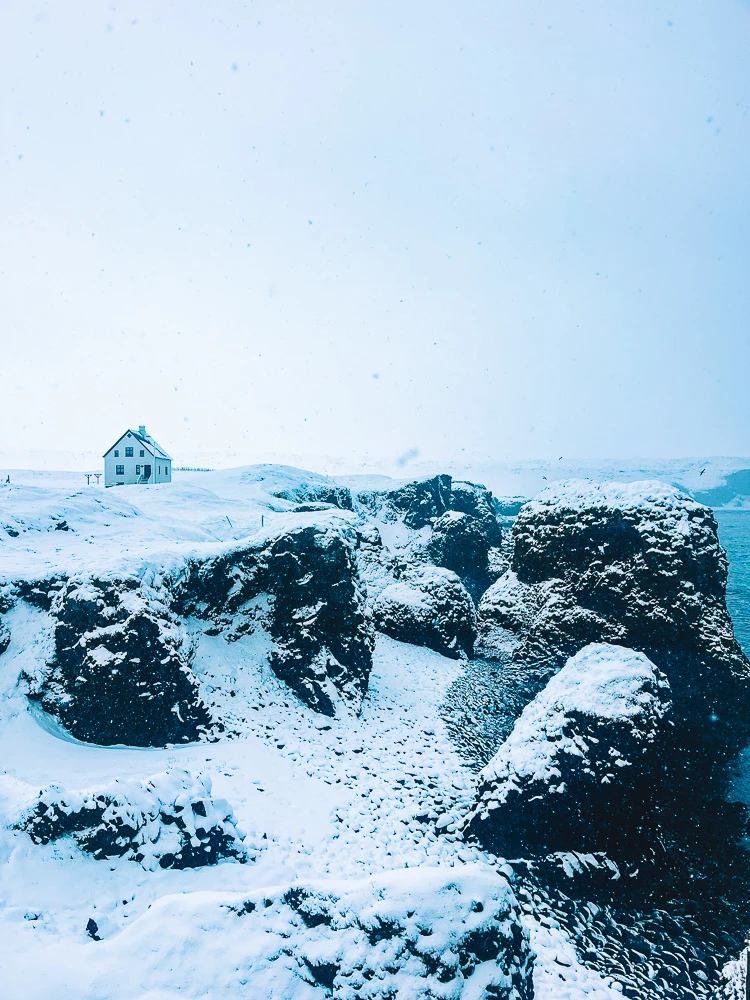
142, 430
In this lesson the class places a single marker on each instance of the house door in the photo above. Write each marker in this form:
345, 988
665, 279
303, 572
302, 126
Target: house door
147, 471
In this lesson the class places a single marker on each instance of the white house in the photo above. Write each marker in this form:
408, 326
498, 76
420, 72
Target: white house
136, 458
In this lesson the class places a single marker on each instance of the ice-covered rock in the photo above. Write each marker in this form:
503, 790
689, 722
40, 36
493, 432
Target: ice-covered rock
432, 608
582, 764
170, 820
315, 612
121, 672
425, 933
637, 564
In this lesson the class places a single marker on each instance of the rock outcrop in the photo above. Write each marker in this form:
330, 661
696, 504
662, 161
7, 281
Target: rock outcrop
170, 820
582, 768
120, 673
417, 503
636, 564
464, 533
432, 608
314, 611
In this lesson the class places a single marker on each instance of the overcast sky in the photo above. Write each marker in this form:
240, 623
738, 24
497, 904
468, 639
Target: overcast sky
495, 229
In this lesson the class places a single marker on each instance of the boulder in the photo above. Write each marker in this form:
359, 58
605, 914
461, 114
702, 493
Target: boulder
430, 608
581, 770
120, 672
315, 615
170, 820
637, 564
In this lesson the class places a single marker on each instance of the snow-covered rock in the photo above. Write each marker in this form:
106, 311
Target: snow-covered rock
429, 608
322, 640
417, 503
121, 672
170, 820
439, 521
735, 979
580, 767
426, 933
637, 564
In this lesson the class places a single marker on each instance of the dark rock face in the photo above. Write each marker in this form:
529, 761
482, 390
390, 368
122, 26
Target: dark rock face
120, 673
431, 608
636, 564
169, 821
583, 767
323, 639
460, 543
6, 603
477, 502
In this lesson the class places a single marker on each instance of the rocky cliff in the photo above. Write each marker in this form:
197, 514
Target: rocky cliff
315, 616
636, 564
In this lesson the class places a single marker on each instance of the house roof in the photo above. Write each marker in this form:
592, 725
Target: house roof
146, 440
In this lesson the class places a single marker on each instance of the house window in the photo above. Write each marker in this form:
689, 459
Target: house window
117, 453
119, 470
137, 470
159, 470
128, 453
142, 452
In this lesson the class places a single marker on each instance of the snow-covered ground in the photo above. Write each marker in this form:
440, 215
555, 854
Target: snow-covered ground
505, 478
319, 800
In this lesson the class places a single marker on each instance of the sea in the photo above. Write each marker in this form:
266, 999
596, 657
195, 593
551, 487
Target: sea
734, 534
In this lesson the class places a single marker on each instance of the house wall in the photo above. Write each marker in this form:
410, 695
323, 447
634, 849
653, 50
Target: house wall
161, 468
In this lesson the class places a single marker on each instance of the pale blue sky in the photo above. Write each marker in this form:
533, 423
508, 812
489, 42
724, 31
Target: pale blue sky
514, 228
